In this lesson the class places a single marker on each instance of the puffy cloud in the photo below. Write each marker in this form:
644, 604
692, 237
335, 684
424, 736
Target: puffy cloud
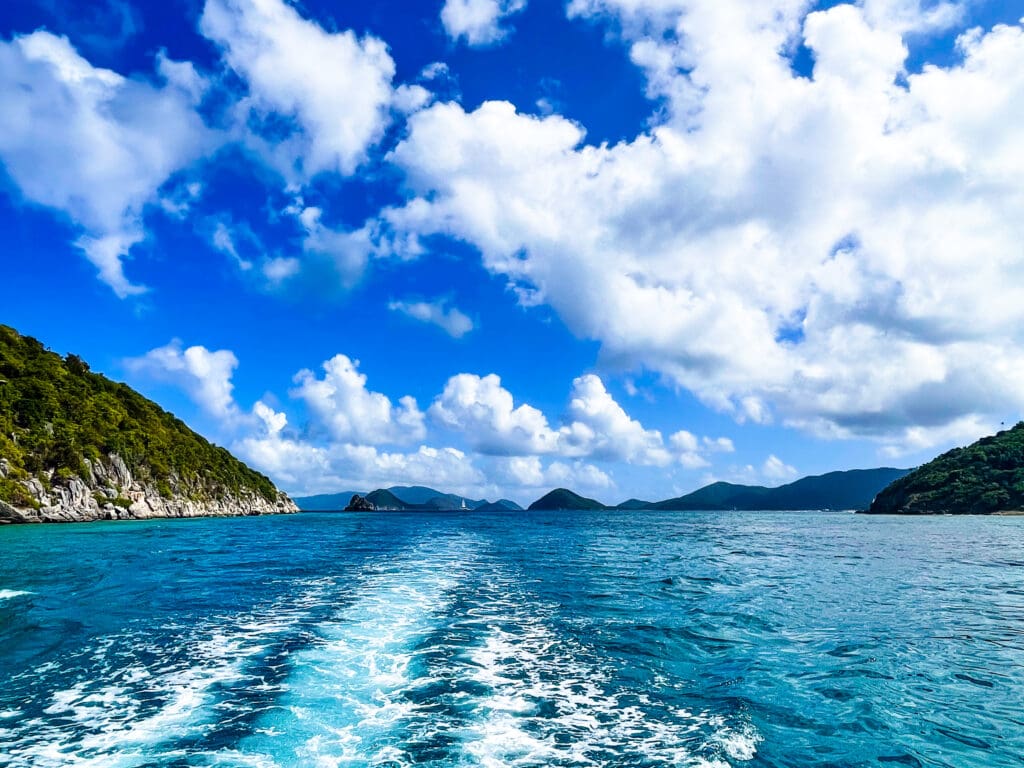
595, 427
305, 467
775, 469
451, 320
340, 403
485, 412
815, 251
204, 374
529, 472
601, 429
93, 144
335, 86
478, 21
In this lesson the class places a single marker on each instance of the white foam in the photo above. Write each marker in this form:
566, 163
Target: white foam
10, 594
346, 699
551, 701
108, 722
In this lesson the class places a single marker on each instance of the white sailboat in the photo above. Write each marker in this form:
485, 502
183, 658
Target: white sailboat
464, 505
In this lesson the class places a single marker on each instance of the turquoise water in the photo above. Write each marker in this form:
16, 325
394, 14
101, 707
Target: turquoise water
520, 639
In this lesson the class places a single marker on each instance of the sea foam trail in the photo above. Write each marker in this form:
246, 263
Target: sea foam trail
135, 699
550, 700
347, 697
10, 594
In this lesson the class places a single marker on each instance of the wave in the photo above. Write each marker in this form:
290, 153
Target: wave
347, 698
10, 594
551, 700
137, 696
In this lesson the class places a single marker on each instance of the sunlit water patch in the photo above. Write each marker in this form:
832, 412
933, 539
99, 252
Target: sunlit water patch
520, 640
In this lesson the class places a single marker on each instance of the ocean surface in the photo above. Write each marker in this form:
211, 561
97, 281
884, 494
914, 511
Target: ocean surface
519, 639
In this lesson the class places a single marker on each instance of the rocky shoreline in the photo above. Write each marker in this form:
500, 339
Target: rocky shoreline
108, 491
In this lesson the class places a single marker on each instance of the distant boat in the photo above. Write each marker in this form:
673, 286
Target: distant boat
464, 505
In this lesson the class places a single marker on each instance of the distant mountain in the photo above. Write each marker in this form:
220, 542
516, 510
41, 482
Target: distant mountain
408, 496
419, 495
501, 505
325, 502
635, 504
562, 498
982, 478
384, 499
850, 489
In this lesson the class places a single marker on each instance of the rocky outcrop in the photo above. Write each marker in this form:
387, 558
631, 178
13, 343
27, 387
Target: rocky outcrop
108, 491
360, 504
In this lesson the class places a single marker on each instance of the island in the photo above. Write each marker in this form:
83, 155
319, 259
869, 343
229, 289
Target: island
984, 478
76, 447
563, 498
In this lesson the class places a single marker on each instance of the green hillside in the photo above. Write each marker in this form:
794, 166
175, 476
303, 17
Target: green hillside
850, 489
562, 498
54, 413
982, 478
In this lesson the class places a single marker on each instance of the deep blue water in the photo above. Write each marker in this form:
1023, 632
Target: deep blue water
525, 639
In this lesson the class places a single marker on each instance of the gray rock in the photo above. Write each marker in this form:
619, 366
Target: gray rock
74, 500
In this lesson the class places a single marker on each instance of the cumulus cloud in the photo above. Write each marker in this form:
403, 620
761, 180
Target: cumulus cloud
307, 467
449, 319
485, 412
93, 144
478, 22
203, 374
776, 470
595, 426
341, 403
531, 472
336, 87
813, 251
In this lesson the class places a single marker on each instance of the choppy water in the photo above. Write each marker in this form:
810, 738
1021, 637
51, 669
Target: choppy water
527, 639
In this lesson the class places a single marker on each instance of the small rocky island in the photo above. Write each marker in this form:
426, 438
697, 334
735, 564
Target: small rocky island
984, 478
76, 446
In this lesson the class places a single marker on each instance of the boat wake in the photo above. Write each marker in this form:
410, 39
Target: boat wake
436, 656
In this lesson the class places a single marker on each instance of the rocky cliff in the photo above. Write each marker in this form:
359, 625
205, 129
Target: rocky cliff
110, 492
76, 446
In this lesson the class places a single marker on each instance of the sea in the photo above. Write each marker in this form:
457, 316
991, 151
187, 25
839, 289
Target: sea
610, 638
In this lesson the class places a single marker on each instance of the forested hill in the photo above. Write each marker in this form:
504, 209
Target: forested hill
63, 426
983, 478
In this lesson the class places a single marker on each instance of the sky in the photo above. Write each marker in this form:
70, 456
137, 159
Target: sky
628, 247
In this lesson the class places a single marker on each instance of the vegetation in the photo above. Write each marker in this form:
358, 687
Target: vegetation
852, 489
562, 498
55, 412
985, 477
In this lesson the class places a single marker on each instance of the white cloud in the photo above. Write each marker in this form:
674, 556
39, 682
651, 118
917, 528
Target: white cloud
336, 86
810, 251
342, 253
340, 403
223, 239
451, 320
280, 268
93, 144
599, 428
485, 412
204, 374
478, 22
529, 472
776, 470
595, 426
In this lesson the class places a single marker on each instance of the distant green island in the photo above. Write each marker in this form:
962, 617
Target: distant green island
76, 446
852, 489
984, 478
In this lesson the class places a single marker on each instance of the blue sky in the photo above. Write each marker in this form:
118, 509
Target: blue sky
497, 246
